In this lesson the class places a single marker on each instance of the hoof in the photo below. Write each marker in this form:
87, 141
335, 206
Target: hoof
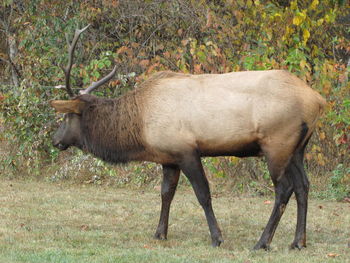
262, 246
217, 242
160, 236
298, 245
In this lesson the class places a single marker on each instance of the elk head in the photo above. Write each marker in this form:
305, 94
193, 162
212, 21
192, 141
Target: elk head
69, 131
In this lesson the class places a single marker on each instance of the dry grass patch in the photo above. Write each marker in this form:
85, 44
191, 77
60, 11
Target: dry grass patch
46, 222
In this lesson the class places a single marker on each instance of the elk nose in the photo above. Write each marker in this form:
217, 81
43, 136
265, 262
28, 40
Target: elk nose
60, 146
55, 143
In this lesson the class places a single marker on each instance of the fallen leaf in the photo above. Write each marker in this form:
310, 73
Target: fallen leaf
147, 246
346, 200
267, 202
84, 228
320, 206
332, 255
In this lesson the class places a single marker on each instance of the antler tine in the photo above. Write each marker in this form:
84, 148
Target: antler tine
100, 82
71, 48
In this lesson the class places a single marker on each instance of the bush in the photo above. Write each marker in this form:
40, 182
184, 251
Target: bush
308, 38
28, 121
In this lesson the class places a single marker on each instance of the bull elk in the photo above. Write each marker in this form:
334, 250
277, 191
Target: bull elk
174, 119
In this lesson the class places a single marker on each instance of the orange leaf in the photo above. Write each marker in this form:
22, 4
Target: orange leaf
184, 42
147, 246
332, 255
327, 87
135, 44
166, 54
322, 136
122, 49
144, 63
197, 68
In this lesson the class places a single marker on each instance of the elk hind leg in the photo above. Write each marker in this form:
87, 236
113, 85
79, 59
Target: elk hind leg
283, 190
301, 190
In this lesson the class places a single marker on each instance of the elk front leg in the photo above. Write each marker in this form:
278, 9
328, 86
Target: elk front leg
169, 184
192, 167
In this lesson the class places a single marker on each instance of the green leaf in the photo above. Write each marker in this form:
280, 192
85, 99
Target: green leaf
96, 74
201, 56
108, 63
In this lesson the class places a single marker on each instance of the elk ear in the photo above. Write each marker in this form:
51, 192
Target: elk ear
68, 106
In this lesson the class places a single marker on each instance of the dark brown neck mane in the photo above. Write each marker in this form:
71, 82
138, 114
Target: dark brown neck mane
111, 128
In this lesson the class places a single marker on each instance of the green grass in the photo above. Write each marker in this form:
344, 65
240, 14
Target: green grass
46, 222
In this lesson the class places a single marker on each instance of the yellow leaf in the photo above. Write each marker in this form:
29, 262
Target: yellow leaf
314, 4
320, 159
306, 35
249, 3
297, 20
302, 64
234, 160
314, 50
294, 5
327, 18
236, 68
320, 21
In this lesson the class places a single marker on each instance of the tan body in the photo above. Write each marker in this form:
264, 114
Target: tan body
221, 114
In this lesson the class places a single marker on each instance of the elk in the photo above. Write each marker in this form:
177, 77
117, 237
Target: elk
174, 119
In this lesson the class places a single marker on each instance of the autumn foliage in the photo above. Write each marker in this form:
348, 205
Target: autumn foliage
308, 38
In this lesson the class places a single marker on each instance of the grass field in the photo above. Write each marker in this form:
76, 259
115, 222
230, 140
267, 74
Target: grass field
52, 222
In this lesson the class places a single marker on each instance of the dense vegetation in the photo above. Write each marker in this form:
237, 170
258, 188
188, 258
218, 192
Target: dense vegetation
309, 38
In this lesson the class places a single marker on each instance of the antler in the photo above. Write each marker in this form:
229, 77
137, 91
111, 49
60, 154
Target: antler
71, 48
67, 69
100, 82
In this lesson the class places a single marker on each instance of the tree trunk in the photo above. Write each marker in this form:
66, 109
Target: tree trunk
13, 51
